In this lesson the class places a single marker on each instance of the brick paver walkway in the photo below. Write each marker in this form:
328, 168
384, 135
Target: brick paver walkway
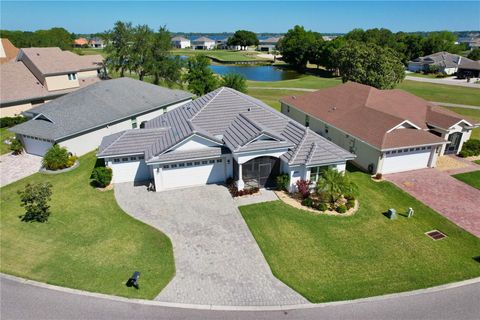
217, 260
13, 168
455, 200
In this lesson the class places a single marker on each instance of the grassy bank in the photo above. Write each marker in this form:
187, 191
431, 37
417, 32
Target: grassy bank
4, 135
337, 258
470, 178
89, 243
473, 114
225, 56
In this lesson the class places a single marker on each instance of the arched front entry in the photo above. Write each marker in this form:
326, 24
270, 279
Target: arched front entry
260, 172
454, 144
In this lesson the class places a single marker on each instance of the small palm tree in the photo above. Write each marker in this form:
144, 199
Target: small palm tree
335, 184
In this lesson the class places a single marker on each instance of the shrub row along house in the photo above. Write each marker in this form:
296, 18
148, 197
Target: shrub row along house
388, 130
223, 134
38, 75
82, 118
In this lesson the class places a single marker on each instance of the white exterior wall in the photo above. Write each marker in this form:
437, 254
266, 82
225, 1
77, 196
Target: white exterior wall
450, 71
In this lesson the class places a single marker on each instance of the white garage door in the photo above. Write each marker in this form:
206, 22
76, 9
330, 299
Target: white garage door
396, 161
195, 173
36, 146
130, 169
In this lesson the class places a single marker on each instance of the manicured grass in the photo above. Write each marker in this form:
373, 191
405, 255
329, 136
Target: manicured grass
272, 97
473, 114
90, 51
338, 258
421, 75
5, 134
307, 82
223, 55
89, 243
471, 178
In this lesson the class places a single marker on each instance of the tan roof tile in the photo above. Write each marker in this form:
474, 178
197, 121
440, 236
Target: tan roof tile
8, 51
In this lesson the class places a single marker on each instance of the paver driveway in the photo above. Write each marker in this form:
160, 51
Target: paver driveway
457, 201
217, 259
13, 168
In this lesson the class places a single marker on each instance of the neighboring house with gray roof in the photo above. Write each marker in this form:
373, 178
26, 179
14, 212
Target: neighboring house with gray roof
223, 134
203, 43
445, 62
81, 119
39, 75
180, 42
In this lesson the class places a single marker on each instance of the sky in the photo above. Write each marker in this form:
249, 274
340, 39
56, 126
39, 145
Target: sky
227, 16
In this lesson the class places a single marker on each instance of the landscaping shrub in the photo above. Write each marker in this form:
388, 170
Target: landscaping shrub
341, 208
470, 148
16, 146
350, 203
232, 188
349, 196
308, 202
283, 182
71, 161
102, 176
7, 122
34, 198
335, 184
56, 158
322, 206
303, 187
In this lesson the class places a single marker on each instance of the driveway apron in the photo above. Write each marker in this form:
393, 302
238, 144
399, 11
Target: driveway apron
217, 259
13, 168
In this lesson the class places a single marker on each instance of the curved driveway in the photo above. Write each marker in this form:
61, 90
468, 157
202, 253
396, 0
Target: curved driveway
26, 301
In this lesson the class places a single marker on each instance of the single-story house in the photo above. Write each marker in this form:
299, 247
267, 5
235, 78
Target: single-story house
446, 62
8, 51
388, 130
268, 44
96, 43
469, 68
180, 42
223, 134
79, 120
221, 43
80, 42
203, 43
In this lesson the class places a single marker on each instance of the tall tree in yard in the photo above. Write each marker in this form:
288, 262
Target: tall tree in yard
235, 81
297, 46
370, 64
118, 49
142, 41
243, 38
200, 78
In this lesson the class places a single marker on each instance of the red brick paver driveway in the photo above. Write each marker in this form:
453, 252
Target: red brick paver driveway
455, 200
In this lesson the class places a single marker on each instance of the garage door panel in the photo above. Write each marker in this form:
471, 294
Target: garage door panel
181, 177
130, 171
399, 162
36, 146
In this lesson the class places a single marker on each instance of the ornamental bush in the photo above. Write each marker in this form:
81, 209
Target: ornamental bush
283, 182
303, 187
350, 203
322, 206
7, 122
56, 158
308, 202
16, 146
341, 208
470, 148
34, 198
102, 176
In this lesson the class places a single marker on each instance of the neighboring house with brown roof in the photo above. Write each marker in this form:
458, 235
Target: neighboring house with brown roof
388, 130
42, 74
80, 42
8, 51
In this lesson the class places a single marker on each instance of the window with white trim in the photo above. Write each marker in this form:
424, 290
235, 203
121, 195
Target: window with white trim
316, 173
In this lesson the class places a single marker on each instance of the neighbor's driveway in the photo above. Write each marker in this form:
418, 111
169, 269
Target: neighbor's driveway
13, 168
455, 200
217, 259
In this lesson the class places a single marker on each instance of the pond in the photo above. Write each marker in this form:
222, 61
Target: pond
255, 72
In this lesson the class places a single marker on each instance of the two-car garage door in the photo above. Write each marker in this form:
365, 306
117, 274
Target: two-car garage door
406, 159
36, 146
193, 173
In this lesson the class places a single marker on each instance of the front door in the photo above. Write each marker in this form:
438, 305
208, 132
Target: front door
452, 147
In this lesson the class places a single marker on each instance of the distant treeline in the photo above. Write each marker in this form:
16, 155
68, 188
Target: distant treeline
55, 37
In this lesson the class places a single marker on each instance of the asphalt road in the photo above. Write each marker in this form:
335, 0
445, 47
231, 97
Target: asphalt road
25, 301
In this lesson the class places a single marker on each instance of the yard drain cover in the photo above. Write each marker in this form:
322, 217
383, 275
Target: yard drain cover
435, 234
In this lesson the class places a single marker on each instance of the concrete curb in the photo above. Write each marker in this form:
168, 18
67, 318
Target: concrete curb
239, 308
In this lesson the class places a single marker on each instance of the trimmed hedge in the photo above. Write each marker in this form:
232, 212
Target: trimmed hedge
102, 176
7, 122
470, 148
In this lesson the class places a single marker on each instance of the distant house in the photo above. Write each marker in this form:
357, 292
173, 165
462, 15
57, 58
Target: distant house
268, 44
203, 43
221, 43
96, 43
180, 42
469, 69
328, 38
388, 130
8, 51
80, 43
471, 42
39, 75
81, 119
445, 62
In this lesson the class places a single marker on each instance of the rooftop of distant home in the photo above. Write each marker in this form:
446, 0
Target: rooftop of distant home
8, 51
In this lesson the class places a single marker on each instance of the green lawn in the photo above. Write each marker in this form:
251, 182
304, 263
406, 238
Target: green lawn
474, 114
272, 97
223, 55
89, 243
5, 134
421, 75
477, 161
329, 258
471, 178
306, 81
90, 51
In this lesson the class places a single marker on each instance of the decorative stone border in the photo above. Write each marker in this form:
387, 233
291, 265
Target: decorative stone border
286, 198
107, 188
46, 171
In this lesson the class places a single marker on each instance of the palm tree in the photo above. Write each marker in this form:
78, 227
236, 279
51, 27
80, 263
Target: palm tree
335, 184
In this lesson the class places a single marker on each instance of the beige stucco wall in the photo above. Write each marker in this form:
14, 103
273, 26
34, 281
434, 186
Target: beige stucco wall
60, 82
87, 74
15, 110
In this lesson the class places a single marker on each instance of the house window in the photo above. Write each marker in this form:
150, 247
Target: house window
196, 163
141, 157
174, 165
417, 149
72, 76
307, 120
204, 162
124, 159
428, 148
211, 161
394, 151
166, 166
400, 151
388, 152
423, 148
133, 158
316, 173
405, 150
189, 164
181, 164
219, 160
411, 149
134, 122
116, 160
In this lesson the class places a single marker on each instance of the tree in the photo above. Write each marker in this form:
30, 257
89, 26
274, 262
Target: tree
235, 81
56, 158
370, 64
334, 184
118, 49
161, 64
440, 41
200, 78
474, 54
324, 52
297, 46
142, 41
34, 198
243, 38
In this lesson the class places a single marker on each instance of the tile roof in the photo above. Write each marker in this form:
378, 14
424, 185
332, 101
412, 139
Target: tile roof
271, 40
236, 121
8, 51
97, 105
179, 38
368, 113
442, 59
203, 39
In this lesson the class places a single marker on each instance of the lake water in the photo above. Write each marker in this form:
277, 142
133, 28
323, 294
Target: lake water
256, 73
